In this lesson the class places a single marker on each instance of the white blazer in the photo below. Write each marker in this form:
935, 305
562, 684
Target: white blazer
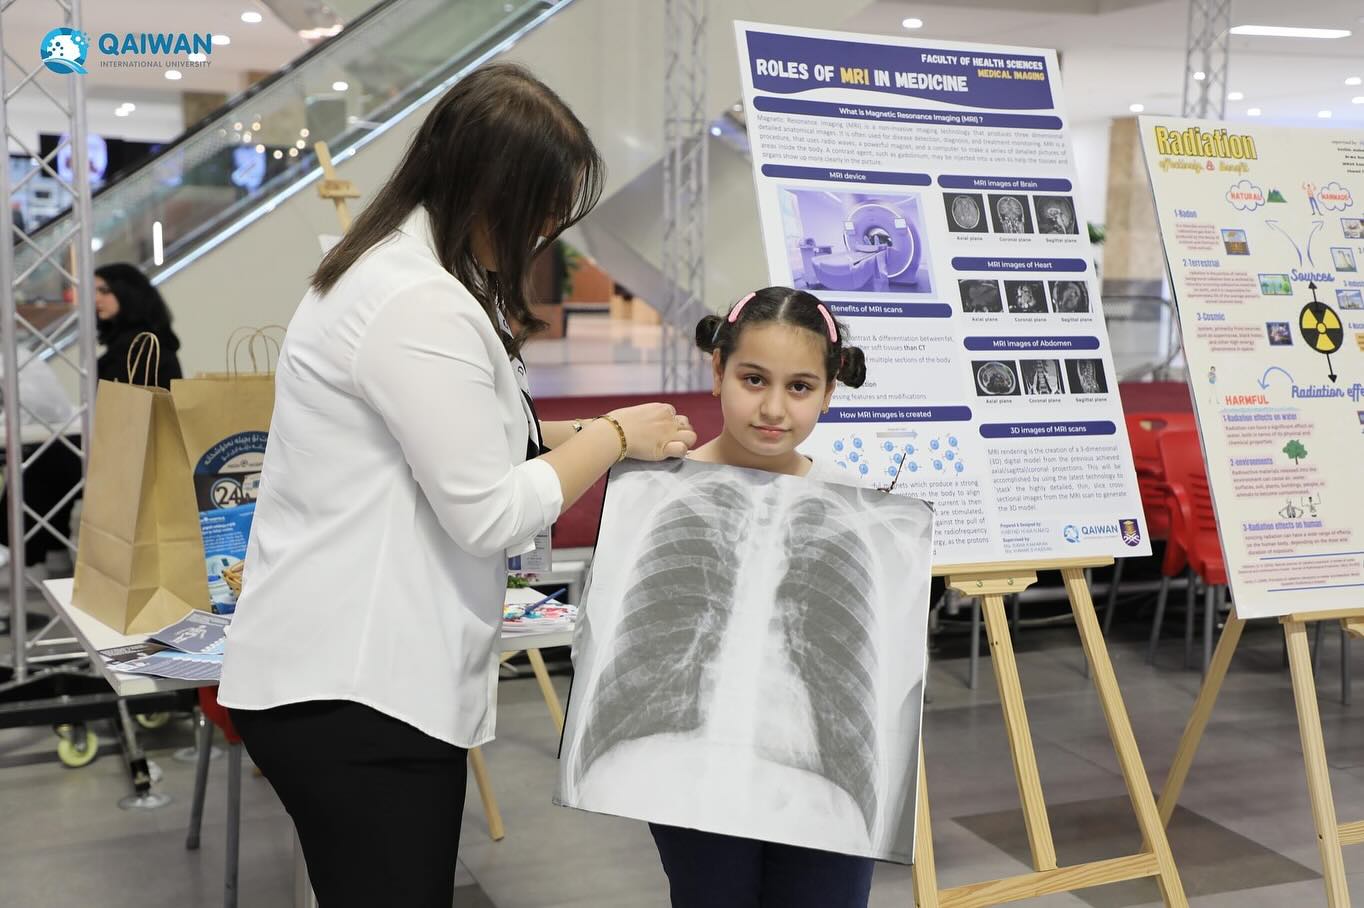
395, 480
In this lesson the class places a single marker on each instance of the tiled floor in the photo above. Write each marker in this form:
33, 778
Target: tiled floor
1244, 835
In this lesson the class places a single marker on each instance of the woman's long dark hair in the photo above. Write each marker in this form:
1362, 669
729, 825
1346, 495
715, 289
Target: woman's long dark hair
499, 152
140, 306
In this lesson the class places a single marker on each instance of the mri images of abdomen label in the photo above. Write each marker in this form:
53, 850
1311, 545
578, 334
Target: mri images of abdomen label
825, 618
677, 605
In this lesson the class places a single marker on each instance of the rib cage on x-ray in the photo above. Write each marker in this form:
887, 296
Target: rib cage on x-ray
687, 561
821, 627
828, 624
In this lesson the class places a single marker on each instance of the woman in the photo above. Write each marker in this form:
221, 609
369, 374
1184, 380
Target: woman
126, 304
400, 474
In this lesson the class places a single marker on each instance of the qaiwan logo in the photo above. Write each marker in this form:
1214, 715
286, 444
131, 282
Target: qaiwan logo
65, 50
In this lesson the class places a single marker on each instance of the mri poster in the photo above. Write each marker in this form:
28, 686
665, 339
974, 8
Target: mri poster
1264, 235
926, 193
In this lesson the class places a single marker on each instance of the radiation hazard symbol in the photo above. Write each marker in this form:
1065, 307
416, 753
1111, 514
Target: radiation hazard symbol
1321, 328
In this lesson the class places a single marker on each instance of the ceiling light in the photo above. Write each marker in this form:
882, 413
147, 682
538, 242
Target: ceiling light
1324, 114
278, 154
715, 130
1236, 95
251, 17
198, 58
246, 136
260, 149
174, 75
300, 144
1253, 112
158, 247
340, 86
96, 244
303, 132
1357, 99
293, 152
256, 126
121, 112
1283, 31
912, 23
1136, 108
222, 40
1354, 80
1200, 75
237, 127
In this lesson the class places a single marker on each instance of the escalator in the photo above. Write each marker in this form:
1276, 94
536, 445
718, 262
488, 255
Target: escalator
255, 152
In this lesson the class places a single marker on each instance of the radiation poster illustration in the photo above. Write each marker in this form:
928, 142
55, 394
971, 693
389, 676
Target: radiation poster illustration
1263, 233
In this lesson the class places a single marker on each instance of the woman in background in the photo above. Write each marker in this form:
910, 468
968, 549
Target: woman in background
126, 304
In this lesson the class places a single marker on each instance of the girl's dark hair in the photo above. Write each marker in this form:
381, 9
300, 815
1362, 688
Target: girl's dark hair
785, 306
140, 306
501, 152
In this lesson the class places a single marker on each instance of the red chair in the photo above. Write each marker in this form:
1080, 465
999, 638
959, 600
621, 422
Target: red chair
1143, 431
577, 526
1193, 527
214, 715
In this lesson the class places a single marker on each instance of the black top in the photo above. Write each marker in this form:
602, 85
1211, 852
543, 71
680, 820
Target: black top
113, 364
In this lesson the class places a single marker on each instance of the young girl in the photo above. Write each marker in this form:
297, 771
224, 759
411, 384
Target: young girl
777, 357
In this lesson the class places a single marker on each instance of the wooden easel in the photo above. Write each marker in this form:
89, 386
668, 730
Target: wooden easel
1330, 834
338, 191
991, 583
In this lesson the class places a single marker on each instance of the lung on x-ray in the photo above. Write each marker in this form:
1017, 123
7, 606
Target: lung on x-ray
750, 659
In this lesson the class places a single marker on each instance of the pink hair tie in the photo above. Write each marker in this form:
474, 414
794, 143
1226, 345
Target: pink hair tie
738, 307
828, 320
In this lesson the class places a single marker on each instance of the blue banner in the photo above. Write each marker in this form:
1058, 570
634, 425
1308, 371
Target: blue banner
1001, 263
789, 172
787, 64
1032, 343
1005, 184
889, 310
905, 114
1047, 429
897, 414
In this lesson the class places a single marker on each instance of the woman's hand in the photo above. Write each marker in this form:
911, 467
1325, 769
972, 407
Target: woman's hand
655, 431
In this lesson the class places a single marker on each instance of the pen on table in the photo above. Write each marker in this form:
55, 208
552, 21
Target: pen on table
545, 601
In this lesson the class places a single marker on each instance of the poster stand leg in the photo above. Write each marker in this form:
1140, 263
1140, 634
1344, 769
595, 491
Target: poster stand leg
1331, 835
991, 584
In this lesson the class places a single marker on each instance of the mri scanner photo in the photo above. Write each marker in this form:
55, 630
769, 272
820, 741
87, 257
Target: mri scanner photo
855, 242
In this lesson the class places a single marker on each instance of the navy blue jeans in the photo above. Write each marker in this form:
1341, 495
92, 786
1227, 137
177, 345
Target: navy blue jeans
706, 870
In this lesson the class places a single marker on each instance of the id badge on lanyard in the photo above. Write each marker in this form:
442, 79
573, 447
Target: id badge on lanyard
538, 558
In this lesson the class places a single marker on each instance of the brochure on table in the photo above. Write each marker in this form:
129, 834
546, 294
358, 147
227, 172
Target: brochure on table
1264, 238
926, 192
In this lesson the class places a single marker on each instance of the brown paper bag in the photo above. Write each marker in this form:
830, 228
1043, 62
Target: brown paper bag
225, 420
140, 564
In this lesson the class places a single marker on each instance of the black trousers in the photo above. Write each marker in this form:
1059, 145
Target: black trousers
707, 870
377, 803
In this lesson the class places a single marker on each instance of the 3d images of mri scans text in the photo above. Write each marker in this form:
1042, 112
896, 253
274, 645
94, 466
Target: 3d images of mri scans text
748, 621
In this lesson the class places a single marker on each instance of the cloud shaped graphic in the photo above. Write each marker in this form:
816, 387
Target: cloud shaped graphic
1245, 196
1334, 197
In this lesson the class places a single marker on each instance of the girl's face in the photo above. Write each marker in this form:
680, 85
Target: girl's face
106, 304
773, 388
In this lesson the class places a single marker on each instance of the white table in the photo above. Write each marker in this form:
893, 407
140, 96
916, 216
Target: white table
94, 635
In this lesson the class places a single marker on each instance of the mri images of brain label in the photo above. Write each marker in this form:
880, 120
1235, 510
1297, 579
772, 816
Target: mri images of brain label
678, 603
826, 620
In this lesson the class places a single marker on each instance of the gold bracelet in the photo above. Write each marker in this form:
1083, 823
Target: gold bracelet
624, 446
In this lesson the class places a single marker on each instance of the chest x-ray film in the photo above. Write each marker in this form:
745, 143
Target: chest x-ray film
750, 659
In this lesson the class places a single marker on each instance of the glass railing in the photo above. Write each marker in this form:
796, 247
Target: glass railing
258, 150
